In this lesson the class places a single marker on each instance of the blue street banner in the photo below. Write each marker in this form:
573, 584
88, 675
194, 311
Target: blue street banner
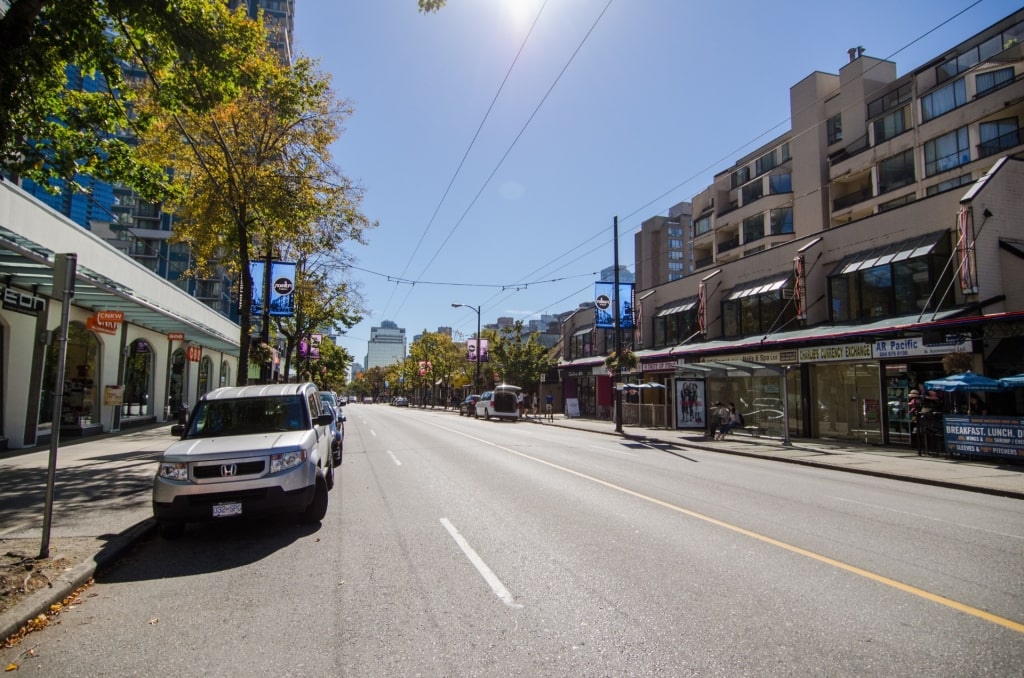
282, 287
604, 308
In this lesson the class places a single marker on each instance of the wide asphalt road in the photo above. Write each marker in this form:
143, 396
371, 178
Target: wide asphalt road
461, 547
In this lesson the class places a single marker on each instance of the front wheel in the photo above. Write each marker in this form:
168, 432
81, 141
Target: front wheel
317, 508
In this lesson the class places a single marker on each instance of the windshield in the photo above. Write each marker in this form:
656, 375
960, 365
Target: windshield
241, 416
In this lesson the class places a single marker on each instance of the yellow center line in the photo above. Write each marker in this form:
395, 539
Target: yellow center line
853, 569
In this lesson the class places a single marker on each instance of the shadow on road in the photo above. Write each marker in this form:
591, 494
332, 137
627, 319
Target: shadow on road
205, 548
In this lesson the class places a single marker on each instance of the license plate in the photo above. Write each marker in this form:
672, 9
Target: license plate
224, 510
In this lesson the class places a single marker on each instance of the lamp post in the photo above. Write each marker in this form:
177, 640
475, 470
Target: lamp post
476, 382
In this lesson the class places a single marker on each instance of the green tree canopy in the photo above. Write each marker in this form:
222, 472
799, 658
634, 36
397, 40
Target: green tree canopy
50, 132
517, 358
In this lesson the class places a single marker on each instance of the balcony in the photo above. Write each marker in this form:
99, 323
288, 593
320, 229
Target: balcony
851, 199
730, 244
1000, 143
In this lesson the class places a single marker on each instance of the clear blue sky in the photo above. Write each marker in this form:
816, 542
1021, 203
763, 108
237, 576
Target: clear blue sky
620, 108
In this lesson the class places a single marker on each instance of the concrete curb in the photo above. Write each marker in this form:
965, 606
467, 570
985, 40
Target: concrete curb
39, 602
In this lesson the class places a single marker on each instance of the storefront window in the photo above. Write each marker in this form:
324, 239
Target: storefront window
138, 379
205, 374
225, 373
176, 382
849, 401
80, 404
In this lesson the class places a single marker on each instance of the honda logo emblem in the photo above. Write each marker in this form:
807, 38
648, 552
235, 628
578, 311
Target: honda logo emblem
228, 470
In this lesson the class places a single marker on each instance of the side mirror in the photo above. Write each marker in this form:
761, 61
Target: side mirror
178, 430
324, 419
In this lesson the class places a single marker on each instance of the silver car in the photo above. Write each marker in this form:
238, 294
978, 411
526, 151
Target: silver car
247, 450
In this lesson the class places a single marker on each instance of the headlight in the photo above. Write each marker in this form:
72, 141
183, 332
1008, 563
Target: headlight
287, 460
173, 470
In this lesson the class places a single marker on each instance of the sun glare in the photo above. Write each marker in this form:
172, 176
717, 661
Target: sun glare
521, 12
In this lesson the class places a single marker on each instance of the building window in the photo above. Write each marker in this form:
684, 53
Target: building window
675, 243
765, 163
675, 232
998, 136
753, 191
898, 283
897, 202
891, 125
994, 45
943, 100
782, 221
890, 100
756, 314
785, 152
675, 266
986, 82
948, 185
780, 183
670, 330
835, 129
753, 228
675, 254
946, 152
702, 225
896, 172
740, 176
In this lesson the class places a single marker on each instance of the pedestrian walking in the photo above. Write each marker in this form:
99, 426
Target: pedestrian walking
549, 401
535, 404
521, 403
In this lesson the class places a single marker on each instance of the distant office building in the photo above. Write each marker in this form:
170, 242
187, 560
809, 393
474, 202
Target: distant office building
625, 275
386, 345
663, 248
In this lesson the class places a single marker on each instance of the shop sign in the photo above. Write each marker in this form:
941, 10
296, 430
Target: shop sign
658, 367
984, 436
194, 353
93, 324
762, 357
825, 354
175, 336
113, 395
915, 346
104, 322
22, 302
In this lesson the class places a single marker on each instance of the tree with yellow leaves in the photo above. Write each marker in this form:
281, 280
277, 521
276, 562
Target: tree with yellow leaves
256, 175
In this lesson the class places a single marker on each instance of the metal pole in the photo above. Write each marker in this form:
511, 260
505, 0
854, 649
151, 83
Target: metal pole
785, 406
618, 332
476, 384
266, 367
65, 266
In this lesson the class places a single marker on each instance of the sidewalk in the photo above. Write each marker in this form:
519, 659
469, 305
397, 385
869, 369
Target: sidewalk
102, 490
988, 476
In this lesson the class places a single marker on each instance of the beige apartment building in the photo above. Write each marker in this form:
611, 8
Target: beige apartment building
837, 265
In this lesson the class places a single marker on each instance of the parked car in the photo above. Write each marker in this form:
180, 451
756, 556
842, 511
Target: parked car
247, 450
501, 402
400, 401
468, 406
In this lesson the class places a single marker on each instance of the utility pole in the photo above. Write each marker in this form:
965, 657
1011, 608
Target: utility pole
618, 332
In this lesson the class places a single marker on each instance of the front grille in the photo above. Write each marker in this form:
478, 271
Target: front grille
242, 469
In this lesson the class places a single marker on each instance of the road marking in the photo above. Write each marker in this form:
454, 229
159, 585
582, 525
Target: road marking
924, 517
481, 567
609, 449
852, 569
373, 433
394, 458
